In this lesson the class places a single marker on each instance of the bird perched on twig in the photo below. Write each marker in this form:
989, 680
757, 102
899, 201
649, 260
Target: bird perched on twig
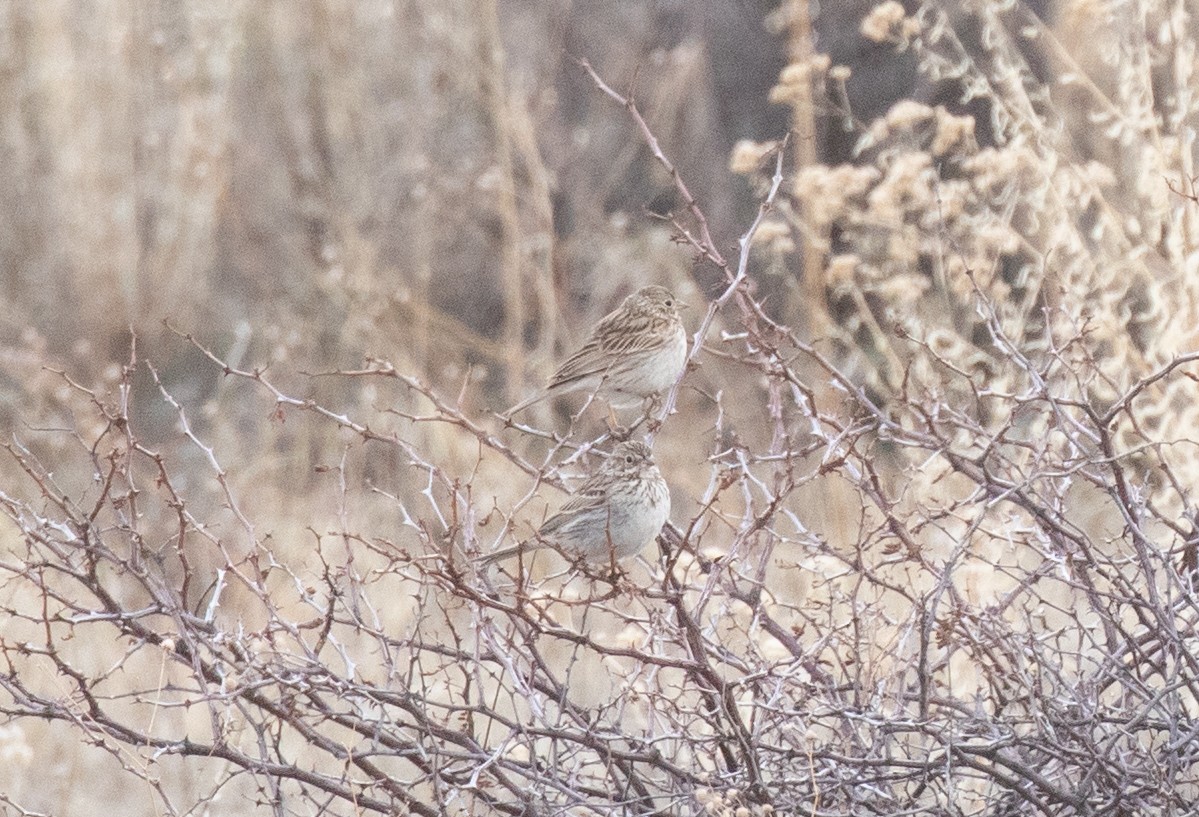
614, 515
636, 350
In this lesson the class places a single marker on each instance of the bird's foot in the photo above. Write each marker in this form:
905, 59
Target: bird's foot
616, 431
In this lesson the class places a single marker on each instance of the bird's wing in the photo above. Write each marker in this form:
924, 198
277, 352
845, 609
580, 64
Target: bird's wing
524, 404
591, 496
617, 337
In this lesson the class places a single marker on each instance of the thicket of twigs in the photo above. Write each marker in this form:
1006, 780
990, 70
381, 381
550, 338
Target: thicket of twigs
933, 543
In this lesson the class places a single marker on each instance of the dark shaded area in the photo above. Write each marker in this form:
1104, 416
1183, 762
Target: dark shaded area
883, 75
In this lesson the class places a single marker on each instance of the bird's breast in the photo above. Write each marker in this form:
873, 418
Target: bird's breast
636, 524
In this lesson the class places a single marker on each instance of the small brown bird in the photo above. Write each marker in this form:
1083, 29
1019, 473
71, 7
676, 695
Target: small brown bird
614, 515
637, 350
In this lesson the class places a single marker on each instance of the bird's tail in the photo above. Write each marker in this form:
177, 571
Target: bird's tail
524, 404
508, 552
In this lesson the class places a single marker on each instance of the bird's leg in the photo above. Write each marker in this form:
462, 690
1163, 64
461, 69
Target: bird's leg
652, 405
655, 403
618, 432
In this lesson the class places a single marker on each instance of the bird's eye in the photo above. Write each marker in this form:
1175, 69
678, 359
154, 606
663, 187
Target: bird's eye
669, 302
628, 458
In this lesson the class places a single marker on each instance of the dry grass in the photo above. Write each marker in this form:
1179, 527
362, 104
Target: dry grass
932, 548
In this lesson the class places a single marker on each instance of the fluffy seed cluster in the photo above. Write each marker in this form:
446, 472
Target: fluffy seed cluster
1057, 241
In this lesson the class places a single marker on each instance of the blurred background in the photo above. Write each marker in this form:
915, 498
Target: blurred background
431, 182
434, 183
